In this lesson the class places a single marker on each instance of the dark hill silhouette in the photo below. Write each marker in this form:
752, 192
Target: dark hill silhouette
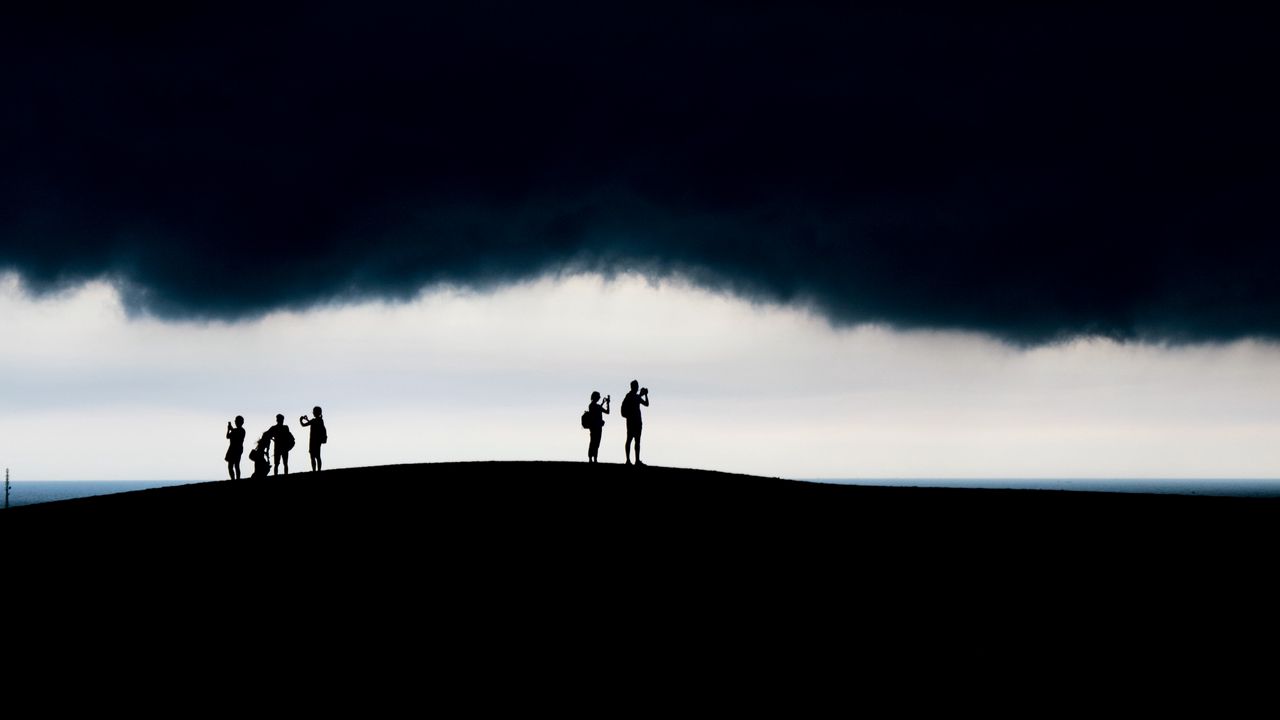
469, 562
575, 508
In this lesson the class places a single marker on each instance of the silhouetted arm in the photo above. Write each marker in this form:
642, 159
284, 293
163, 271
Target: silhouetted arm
644, 400
604, 407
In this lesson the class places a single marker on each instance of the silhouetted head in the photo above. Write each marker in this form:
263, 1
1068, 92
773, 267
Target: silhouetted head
279, 419
635, 385
316, 411
595, 395
239, 421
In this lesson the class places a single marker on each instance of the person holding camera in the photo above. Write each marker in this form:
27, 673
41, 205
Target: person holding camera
631, 411
318, 436
236, 447
595, 424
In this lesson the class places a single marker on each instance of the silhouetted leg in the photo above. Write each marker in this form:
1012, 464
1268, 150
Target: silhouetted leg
276, 471
231, 470
286, 463
628, 449
635, 431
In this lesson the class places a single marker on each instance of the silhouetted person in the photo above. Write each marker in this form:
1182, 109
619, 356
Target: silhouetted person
236, 448
261, 465
595, 423
318, 435
283, 440
631, 411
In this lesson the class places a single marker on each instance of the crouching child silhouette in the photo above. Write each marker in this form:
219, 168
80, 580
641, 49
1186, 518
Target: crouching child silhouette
259, 455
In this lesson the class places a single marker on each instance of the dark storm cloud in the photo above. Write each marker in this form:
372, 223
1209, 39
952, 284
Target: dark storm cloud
1033, 174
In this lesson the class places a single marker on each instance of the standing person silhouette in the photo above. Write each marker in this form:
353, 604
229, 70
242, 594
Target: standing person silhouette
631, 411
318, 435
595, 423
236, 448
282, 437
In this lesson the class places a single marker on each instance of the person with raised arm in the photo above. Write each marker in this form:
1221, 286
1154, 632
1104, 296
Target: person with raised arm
236, 447
318, 435
595, 424
631, 411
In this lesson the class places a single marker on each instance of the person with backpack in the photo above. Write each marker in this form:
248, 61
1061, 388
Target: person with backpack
235, 448
631, 411
593, 420
283, 440
318, 436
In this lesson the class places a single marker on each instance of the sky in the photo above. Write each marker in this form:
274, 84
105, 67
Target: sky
834, 240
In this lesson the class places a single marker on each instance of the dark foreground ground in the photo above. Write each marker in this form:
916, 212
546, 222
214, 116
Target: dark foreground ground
493, 572
598, 517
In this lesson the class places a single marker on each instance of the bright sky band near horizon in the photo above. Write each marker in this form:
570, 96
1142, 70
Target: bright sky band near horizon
93, 393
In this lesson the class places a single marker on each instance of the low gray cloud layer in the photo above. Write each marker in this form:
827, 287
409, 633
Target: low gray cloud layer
1027, 173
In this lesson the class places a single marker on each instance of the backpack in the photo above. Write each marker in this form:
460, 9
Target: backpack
586, 419
285, 441
628, 406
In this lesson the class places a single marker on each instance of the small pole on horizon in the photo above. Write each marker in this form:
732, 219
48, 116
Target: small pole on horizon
6, 488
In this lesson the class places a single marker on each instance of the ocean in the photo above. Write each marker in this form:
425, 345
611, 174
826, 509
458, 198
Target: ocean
1166, 486
28, 492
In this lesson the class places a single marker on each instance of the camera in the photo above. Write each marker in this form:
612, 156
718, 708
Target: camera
644, 391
